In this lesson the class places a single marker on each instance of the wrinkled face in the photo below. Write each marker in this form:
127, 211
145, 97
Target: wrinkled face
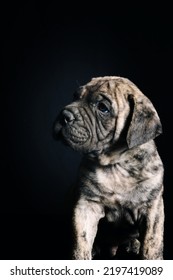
106, 113
88, 123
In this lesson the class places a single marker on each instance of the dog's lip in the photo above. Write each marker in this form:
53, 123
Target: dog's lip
74, 135
76, 139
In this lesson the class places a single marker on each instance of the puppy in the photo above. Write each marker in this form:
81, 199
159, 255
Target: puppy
113, 124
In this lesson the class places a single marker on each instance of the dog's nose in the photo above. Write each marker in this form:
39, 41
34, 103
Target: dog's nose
67, 116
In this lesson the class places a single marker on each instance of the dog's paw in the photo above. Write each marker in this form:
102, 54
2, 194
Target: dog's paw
133, 246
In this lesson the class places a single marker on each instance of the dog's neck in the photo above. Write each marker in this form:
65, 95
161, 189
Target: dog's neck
112, 157
109, 157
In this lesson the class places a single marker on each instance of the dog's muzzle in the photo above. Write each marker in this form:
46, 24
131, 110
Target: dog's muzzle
71, 127
65, 117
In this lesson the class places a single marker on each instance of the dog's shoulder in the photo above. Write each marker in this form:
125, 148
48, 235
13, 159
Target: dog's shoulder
143, 157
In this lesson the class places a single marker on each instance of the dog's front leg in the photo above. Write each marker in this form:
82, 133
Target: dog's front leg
152, 248
85, 221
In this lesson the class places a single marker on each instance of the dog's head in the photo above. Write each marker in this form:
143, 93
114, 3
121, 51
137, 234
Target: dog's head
107, 112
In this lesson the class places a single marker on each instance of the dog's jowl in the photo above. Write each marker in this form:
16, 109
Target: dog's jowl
120, 182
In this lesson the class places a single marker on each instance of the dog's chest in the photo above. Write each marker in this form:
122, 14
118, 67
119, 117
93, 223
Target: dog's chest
115, 179
115, 184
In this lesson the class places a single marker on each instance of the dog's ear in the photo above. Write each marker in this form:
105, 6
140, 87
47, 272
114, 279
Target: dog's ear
145, 123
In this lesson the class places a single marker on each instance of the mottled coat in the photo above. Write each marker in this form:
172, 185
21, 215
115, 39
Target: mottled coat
113, 124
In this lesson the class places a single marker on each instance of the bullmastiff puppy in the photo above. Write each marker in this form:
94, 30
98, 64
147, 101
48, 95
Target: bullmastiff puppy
113, 124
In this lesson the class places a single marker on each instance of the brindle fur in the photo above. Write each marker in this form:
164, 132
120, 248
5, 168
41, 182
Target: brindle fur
113, 124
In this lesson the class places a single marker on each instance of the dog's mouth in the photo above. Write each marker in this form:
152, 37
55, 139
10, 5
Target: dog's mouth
78, 138
75, 133
75, 136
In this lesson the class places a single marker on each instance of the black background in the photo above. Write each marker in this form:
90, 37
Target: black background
46, 52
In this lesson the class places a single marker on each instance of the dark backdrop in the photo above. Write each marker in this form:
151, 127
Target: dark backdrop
46, 54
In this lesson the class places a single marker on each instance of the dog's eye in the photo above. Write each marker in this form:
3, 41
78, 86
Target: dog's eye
102, 107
